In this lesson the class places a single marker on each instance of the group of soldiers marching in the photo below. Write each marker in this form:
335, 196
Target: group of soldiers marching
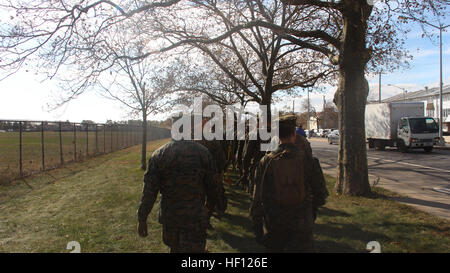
286, 188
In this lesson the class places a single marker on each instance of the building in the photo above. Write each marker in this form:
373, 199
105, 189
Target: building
430, 98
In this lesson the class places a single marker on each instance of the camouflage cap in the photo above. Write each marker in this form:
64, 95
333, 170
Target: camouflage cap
287, 121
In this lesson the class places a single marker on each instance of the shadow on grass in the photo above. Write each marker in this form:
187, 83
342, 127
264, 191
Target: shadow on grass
415, 201
242, 244
332, 213
347, 232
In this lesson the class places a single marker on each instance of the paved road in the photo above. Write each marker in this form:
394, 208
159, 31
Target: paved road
423, 178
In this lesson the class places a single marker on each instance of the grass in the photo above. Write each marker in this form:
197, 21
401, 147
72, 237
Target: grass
95, 203
84, 145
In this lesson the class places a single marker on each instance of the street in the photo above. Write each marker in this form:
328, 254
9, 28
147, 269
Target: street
424, 179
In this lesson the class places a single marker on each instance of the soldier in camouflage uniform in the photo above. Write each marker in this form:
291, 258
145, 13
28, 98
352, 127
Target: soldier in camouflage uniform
218, 159
284, 196
183, 171
252, 156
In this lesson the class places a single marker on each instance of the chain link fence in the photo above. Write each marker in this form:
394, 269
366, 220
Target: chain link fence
28, 147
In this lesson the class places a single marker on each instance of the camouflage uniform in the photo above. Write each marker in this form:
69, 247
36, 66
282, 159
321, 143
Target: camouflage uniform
215, 147
281, 228
183, 172
318, 185
239, 152
252, 157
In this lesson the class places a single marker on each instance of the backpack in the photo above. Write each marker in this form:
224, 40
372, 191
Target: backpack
289, 179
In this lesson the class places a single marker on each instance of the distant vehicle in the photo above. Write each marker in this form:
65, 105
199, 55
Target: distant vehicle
445, 128
326, 132
320, 132
401, 125
333, 137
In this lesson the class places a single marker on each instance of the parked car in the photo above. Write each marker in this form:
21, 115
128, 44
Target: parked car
333, 137
319, 132
445, 129
326, 132
312, 133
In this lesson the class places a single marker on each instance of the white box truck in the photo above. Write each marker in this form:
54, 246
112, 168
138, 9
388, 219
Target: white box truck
400, 124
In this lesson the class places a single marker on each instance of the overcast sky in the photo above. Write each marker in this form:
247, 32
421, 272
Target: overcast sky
25, 96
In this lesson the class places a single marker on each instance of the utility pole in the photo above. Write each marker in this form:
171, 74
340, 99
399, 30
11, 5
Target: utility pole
401, 88
324, 116
308, 112
379, 88
441, 86
441, 27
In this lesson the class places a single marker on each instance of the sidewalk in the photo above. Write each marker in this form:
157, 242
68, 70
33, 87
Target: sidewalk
436, 205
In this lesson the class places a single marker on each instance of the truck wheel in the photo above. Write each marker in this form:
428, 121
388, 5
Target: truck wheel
402, 147
379, 145
428, 149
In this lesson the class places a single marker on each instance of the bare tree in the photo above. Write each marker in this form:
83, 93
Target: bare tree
200, 76
136, 84
352, 35
367, 38
142, 85
252, 55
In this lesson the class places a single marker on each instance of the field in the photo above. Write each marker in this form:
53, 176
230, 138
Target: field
85, 145
94, 202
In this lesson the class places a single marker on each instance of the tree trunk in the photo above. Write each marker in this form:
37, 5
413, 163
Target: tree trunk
267, 101
144, 141
350, 98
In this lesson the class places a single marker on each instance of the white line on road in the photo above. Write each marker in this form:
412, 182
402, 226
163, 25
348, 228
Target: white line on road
410, 164
392, 161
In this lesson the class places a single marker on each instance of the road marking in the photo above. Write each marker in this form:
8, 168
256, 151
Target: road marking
410, 164
392, 161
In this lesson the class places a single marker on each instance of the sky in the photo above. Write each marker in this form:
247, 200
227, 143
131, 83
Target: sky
24, 96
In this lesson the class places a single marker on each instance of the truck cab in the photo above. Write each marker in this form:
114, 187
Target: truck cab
417, 132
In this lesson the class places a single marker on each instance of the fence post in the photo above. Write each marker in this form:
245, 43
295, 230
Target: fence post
96, 139
104, 138
42, 145
20, 150
74, 142
60, 144
110, 134
87, 139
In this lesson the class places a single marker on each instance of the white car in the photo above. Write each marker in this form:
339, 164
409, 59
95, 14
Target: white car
326, 132
320, 132
333, 137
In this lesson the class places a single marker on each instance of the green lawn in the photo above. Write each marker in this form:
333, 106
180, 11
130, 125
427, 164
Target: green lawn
95, 203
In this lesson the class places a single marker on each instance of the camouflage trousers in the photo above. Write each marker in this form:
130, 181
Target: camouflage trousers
251, 179
185, 240
296, 237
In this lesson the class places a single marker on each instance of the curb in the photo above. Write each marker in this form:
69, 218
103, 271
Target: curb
442, 147
390, 185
